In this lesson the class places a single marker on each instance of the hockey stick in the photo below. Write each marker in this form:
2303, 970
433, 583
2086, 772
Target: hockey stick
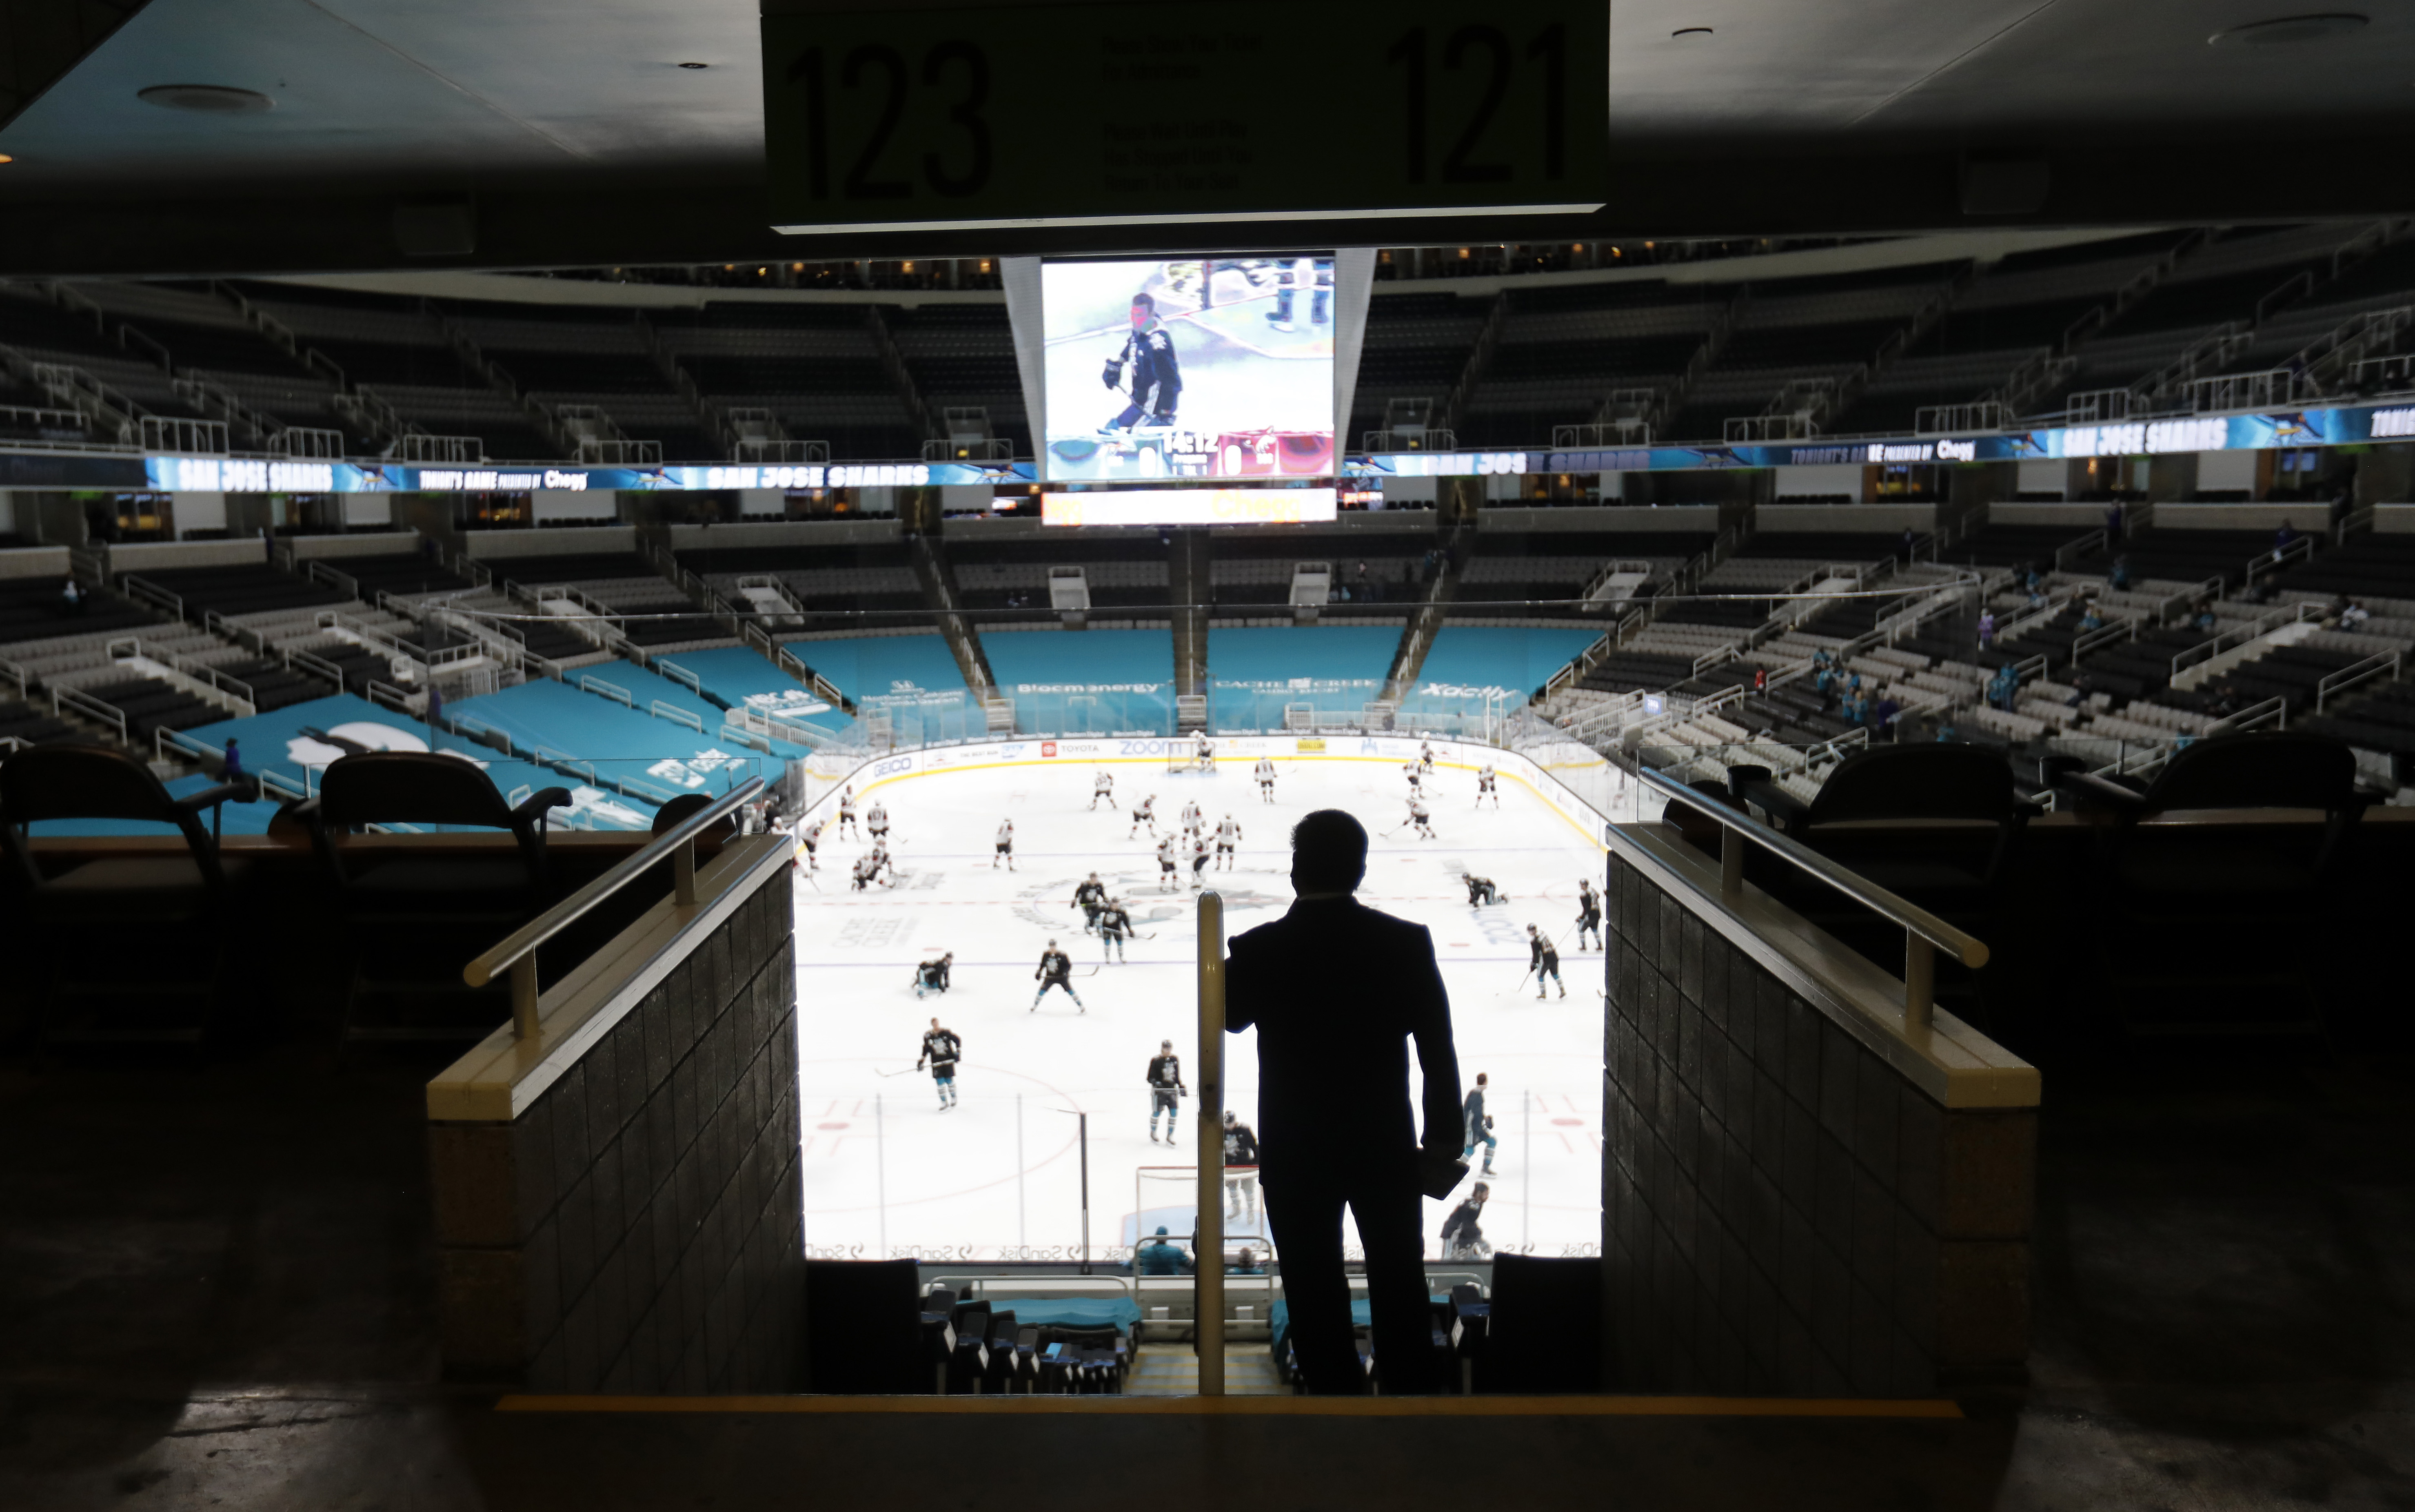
878, 1071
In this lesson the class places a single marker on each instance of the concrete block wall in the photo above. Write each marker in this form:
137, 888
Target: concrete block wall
638, 1228
1783, 1211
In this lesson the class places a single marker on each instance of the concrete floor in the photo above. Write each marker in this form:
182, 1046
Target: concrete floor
214, 1291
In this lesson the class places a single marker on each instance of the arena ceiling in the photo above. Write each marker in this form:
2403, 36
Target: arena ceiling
556, 132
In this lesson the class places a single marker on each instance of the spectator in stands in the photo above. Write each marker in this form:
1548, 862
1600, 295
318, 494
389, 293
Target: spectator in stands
1856, 709
2119, 579
71, 599
2081, 686
1164, 1257
1245, 1264
233, 771
1987, 628
2283, 539
1906, 556
2354, 616
2090, 618
2113, 522
1360, 582
2005, 687
2205, 619
1883, 711
1335, 987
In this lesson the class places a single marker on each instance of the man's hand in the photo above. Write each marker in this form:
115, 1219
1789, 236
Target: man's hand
1112, 373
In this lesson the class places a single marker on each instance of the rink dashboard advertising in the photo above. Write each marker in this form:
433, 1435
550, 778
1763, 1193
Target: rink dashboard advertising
1005, 115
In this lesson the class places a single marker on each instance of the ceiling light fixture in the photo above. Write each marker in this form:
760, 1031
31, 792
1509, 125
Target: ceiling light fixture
695, 65
5, 158
206, 99
1691, 31
2289, 31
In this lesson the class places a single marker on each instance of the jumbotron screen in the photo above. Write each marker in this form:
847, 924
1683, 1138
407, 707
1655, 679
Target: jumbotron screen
1201, 367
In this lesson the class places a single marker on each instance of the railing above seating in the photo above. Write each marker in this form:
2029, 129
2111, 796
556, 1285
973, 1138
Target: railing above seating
1924, 933
516, 953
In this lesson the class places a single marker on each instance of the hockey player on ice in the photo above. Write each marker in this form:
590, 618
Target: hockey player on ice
1298, 278
1055, 970
1588, 913
1198, 859
1090, 897
1420, 816
1156, 374
1204, 754
1546, 962
876, 820
1266, 779
1228, 835
1005, 846
1425, 758
1101, 786
1485, 788
1115, 927
1416, 777
1166, 864
1191, 816
1144, 816
931, 975
808, 839
1478, 1125
884, 869
864, 872
1482, 891
846, 810
1462, 1238
1241, 1164
1166, 1090
940, 1047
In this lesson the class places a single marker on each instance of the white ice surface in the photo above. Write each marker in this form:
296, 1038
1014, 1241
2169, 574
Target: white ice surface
1000, 1175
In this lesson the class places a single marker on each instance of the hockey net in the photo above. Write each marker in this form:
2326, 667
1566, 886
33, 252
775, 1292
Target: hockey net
1167, 1197
1182, 756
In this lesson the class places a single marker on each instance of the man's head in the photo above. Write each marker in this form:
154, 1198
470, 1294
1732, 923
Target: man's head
1143, 309
1160, 1231
1167, 1045
1230, 1118
1052, 945
1479, 1078
1530, 929
934, 1023
1094, 877
1328, 853
1480, 1193
947, 957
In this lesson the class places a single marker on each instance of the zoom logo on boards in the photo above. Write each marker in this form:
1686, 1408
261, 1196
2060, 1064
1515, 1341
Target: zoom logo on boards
892, 766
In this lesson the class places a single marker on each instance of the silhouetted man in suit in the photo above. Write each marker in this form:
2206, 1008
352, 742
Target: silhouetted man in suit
1337, 990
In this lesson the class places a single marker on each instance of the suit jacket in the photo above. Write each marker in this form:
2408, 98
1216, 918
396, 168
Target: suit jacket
1337, 990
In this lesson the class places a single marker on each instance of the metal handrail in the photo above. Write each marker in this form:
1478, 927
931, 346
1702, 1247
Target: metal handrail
517, 950
1924, 932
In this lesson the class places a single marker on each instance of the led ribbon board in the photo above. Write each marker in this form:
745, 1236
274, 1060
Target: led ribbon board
897, 118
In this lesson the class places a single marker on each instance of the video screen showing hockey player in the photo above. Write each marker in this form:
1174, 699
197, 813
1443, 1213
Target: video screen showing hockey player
1208, 368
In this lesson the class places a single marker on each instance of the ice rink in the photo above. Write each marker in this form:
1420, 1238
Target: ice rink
1000, 1175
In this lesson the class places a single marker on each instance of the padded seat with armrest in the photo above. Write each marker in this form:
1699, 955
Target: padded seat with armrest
2236, 843
395, 900
1936, 825
117, 894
